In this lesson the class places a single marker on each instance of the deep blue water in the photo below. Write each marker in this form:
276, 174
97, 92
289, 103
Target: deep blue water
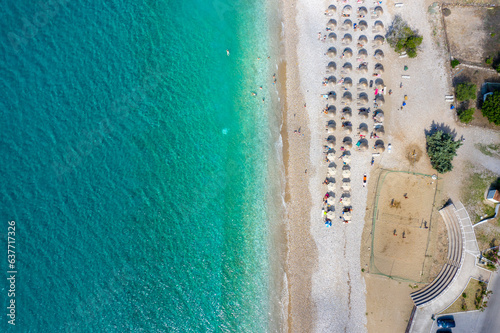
136, 165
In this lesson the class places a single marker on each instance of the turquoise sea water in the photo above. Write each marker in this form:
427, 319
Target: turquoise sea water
141, 173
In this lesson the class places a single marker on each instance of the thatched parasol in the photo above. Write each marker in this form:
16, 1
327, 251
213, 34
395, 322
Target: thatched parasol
347, 10
379, 84
332, 66
332, 96
346, 173
347, 129
347, 98
331, 188
330, 215
331, 10
346, 113
363, 68
379, 116
363, 130
379, 40
347, 67
346, 187
379, 68
363, 98
332, 171
347, 83
362, 11
332, 126
346, 201
363, 83
362, 25
347, 39
380, 100
363, 146
379, 54
332, 37
378, 26
330, 156
362, 54
331, 24
380, 148
380, 130
347, 25
364, 114
362, 40
378, 11
332, 52
332, 81
331, 111
347, 53
331, 139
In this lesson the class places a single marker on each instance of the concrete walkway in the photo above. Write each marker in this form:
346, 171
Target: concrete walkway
422, 321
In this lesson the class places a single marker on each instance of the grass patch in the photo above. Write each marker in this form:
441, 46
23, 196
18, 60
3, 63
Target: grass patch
471, 298
488, 150
472, 193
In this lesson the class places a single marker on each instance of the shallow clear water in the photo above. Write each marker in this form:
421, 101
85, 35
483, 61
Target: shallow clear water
138, 166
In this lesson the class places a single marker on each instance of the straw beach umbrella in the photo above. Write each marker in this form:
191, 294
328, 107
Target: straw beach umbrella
363, 68
379, 116
362, 40
379, 40
331, 139
331, 111
331, 67
332, 37
330, 201
348, 129
379, 83
379, 54
331, 188
347, 25
346, 187
347, 83
347, 98
346, 113
363, 98
347, 67
332, 96
379, 68
362, 11
332, 52
347, 39
346, 201
380, 148
363, 146
363, 129
331, 10
330, 156
379, 99
332, 24
332, 81
362, 25
377, 12
362, 54
330, 215
346, 173
331, 126
363, 114
362, 84
347, 53
378, 26
347, 10
380, 131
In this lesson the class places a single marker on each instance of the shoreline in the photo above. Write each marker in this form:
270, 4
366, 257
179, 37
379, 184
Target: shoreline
301, 250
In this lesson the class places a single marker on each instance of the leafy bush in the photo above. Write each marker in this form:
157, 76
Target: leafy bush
465, 115
441, 149
491, 108
489, 61
465, 91
402, 38
498, 69
455, 63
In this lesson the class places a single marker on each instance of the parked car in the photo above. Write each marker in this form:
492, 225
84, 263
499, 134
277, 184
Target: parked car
446, 322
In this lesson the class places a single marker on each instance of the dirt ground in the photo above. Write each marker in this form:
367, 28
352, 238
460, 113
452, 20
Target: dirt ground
403, 224
470, 22
394, 314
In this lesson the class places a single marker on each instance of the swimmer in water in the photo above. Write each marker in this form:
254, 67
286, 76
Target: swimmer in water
254, 94
227, 51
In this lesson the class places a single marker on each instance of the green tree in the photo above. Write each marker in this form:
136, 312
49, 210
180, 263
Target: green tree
455, 63
491, 108
402, 38
465, 91
441, 149
465, 115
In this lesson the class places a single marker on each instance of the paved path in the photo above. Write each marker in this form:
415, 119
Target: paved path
422, 321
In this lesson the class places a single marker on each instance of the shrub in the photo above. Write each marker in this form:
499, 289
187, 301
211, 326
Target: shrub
489, 61
465, 115
402, 38
455, 63
491, 108
441, 149
465, 91
498, 69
